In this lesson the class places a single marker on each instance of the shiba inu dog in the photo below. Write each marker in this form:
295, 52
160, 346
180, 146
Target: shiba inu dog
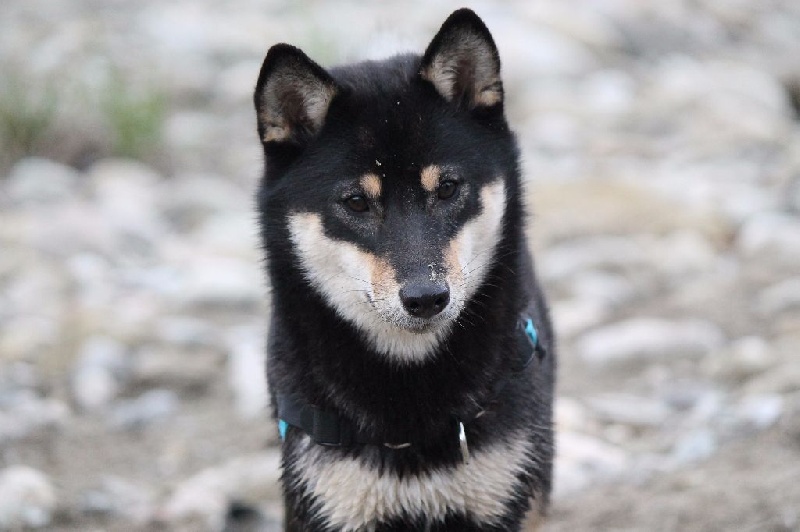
410, 357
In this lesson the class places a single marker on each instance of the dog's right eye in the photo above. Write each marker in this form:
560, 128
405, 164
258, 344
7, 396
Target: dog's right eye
357, 203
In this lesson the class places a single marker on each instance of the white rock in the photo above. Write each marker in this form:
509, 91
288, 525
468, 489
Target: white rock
564, 260
125, 192
190, 197
771, 236
204, 497
38, 180
629, 409
233, 235
685, 252
222, 281
246, 371
780, 297
647, 339
571, 415
574, 316
24, 413
609, 289
583, 459
694, 446
101, 366
119, 498
150, 407
27, 498
759, 412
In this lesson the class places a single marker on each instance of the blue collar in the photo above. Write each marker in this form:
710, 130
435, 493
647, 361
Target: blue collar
329, 429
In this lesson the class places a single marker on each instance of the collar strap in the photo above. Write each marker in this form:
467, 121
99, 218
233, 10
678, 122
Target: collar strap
329, 429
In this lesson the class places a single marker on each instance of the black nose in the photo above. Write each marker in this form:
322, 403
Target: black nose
425, 300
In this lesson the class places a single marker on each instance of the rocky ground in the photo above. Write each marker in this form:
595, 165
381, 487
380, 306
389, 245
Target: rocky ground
662, 143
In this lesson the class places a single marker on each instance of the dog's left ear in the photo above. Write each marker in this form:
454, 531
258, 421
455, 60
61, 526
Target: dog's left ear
463, 64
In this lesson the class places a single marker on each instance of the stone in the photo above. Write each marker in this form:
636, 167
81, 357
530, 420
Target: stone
567, 259
780, 297
223, 282
37, 180
118, 498
611, 290
204, 498
24, 413
188, 371
694, 446
27, 498
745, 358
246, 371
188, 198
574, 316
583, 459
101, 366
770, 236
649, 339
629, 409
148, 408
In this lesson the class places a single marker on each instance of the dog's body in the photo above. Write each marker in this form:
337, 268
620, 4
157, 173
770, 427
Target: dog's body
392, 220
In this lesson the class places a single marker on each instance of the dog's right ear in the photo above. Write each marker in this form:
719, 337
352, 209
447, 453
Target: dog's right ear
292, 96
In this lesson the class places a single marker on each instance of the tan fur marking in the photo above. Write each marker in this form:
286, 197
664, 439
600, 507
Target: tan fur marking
430, 176
535, 518
384, 280
371, 185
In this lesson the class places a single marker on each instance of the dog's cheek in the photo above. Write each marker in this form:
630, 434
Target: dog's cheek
337, 269
472, 251
385, 288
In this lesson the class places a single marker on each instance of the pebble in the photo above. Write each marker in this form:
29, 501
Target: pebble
118, 498
629, 409
188, 371
583, 459
222, 282
649, 339
98, 375
27, 498
780, 297
149, 407
24, 413
204, 498
35, 180
246, 359
771, 237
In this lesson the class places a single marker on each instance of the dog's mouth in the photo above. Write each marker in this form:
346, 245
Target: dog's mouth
403, 320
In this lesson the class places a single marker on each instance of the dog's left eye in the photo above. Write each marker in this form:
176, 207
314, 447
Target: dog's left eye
447, 189
357, 203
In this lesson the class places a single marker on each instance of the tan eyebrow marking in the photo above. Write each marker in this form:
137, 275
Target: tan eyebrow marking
371, 184
430, 177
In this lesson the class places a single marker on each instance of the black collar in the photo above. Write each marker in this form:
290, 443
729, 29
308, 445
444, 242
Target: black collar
328, 428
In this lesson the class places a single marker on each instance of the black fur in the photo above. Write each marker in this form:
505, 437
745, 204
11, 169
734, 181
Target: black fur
387, 112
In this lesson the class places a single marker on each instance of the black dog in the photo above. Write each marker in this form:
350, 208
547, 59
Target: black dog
411, 359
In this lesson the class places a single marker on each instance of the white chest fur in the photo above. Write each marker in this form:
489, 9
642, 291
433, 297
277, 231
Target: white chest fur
353, 496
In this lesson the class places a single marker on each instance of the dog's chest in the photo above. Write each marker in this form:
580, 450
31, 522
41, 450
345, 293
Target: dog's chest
351, 494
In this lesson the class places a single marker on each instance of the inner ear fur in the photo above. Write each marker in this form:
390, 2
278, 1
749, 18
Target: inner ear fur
292, 96
462, 62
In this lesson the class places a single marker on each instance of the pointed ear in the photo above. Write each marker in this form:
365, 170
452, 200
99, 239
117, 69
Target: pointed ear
292, 96
462, 62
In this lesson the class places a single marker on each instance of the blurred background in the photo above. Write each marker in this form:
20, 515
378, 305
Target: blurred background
662, 145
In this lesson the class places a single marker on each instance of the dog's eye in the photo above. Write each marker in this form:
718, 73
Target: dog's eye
357, 203
447, 189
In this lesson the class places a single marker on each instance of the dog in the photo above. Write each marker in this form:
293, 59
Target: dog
410, 355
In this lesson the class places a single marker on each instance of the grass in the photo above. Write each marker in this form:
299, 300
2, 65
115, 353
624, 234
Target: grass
135, 118
62, 122
27, 114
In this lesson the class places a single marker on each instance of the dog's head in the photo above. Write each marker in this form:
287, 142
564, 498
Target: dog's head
390, 180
